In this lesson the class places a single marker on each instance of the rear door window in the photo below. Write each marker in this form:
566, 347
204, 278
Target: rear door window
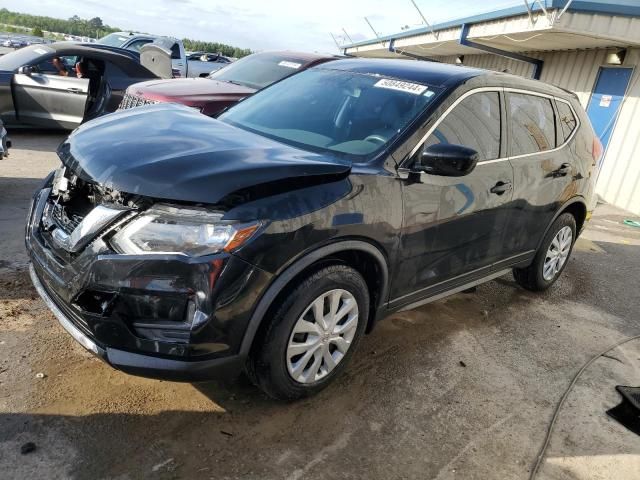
175, 52
532, 121
568, 122
474, 123
138, 44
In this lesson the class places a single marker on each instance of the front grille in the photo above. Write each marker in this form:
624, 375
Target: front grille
66, 217
69, 202
131, 101
68, 214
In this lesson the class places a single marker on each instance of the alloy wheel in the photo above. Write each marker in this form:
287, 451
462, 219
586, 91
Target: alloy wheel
557, 253
322, 336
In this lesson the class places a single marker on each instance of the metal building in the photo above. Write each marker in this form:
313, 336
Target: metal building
589, 47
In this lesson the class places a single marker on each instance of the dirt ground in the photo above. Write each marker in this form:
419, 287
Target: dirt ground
463, 388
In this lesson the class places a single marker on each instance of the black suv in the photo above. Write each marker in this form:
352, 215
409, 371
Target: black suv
182, 247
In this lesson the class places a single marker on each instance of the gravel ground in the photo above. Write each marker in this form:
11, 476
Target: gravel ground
463, 388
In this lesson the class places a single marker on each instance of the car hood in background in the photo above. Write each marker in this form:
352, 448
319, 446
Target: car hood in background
171, 152
190, 90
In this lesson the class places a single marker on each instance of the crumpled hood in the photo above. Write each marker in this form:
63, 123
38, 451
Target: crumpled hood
171, 152
193, 89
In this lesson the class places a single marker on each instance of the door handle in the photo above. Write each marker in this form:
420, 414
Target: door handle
74, 90
563, 170
501, 187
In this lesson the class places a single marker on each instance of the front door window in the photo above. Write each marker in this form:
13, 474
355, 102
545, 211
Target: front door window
474, 123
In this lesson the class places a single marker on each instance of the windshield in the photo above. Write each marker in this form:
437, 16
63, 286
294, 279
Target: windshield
329, 110
259, 70
113, 40
25, 56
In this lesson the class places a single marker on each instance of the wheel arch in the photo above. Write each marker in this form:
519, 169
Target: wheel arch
577, 206
354, 253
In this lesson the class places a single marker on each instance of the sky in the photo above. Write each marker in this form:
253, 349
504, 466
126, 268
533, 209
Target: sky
261, 24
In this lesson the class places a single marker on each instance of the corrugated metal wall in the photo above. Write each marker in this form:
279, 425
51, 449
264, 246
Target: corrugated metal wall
576, 70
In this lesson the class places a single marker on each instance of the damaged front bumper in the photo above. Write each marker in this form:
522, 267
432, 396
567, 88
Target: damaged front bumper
160, 316
135, 363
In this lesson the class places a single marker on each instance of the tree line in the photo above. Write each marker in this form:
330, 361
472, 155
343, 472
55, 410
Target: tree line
73, 26
95, 28
215, 47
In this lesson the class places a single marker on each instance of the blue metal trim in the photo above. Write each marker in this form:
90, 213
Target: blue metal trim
507, 12
627, 8
537, 63
393, 49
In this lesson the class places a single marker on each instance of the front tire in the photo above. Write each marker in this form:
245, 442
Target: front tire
552, 256
313, 334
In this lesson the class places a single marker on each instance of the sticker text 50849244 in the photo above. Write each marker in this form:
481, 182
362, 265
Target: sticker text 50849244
288, 64
408, 87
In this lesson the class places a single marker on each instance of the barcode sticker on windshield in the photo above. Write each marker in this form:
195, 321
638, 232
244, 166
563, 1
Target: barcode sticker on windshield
414, 88
284, 63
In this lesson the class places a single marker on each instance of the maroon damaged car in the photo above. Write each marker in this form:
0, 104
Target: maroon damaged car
226, 86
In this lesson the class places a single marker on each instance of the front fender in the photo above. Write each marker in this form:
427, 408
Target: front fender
299, 266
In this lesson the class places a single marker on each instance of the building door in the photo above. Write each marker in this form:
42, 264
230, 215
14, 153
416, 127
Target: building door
606, 100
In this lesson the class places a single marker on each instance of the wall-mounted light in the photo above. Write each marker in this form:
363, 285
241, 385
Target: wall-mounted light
459, 59
616, 58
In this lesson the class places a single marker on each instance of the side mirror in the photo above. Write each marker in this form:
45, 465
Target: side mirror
447, 160
26, 70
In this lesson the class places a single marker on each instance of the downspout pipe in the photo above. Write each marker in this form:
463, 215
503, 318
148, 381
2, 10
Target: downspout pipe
393, 49
537, 63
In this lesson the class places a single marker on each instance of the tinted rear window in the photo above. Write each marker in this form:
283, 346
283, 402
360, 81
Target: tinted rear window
532, 122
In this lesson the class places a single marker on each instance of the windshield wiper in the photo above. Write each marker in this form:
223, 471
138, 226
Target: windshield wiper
234, 82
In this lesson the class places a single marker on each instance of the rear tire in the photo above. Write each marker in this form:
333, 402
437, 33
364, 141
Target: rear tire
552, 256
306, 346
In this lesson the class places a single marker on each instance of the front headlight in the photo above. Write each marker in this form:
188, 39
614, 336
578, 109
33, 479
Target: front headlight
187, 231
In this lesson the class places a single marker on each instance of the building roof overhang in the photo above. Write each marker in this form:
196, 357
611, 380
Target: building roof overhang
583, 25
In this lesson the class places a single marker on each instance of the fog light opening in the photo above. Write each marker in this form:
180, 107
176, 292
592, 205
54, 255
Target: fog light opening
95, 302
